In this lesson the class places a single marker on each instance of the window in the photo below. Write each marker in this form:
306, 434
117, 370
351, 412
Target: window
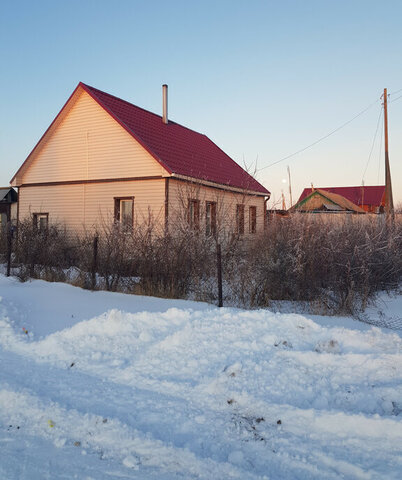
210, 218
253, 219
41, 221
124, 212
194, 214
240, 219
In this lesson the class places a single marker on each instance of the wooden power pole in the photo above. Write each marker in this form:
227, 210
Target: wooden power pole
389, 202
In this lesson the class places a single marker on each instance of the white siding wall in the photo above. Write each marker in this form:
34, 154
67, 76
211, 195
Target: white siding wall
226, 201
87, 143
74, 206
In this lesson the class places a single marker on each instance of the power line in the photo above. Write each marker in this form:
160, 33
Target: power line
320, 139
395, 99
393, 93
379, 158
373, 143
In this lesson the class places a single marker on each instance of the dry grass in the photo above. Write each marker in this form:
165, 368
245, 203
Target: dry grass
336, 266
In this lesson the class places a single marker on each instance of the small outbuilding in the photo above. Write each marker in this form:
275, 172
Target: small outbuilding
8, 205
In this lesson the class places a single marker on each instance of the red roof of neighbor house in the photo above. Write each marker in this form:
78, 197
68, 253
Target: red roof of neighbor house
178, 149
367, 195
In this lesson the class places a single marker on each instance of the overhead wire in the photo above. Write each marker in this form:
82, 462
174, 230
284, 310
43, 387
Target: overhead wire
320, 139
373, 143
393, 93
395, 99
379, 158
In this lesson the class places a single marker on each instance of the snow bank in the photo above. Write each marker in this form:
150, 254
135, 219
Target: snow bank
191, 391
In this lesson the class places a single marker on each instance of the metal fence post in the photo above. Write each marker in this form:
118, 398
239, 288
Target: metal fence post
9, 247
219, 267
94, 262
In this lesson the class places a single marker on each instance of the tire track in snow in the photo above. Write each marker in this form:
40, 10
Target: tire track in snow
111, 439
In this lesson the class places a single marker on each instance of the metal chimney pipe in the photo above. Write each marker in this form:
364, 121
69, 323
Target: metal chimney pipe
165, 103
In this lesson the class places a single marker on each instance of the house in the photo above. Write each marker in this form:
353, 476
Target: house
322, 201
105, 160
369, 198
8, 206
274, 214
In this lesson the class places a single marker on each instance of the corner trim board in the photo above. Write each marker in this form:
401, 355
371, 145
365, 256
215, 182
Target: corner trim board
166, 205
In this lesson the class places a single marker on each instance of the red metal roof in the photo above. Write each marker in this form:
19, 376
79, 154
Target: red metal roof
367, 195
178, 149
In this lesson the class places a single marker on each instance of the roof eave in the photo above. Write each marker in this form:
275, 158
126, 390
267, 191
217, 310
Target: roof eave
223, 186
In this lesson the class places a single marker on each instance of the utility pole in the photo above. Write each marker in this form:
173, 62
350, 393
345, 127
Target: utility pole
290, 188
389, 202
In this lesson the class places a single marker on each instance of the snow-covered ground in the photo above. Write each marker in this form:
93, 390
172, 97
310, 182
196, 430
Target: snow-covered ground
95, 385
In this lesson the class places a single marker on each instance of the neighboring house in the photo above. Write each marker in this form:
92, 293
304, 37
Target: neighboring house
322, 201
369, 198
104, 159
275, 214
8, 206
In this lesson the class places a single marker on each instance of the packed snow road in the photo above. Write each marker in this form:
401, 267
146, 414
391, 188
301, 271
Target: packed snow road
95, 385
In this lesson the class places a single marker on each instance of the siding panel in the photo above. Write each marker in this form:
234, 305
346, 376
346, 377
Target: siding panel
180, 192
89, 144
74, 206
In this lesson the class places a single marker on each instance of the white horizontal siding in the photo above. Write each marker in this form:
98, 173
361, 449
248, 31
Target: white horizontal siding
226, 201
88, 206
87, 143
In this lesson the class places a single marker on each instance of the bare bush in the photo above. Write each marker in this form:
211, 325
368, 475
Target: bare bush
341, 264
337, 265
43, 253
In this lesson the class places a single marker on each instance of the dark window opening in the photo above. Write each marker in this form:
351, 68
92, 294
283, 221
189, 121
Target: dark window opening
194, 214
253, 220
240, 219
41, 221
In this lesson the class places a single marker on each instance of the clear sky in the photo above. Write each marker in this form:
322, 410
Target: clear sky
262, 79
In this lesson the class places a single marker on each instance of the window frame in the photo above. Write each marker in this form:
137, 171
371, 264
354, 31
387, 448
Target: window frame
118, 212
36, 217
193, 213
252, 219
240, 218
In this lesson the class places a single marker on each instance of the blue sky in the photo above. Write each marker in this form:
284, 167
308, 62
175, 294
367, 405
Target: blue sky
261, 79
